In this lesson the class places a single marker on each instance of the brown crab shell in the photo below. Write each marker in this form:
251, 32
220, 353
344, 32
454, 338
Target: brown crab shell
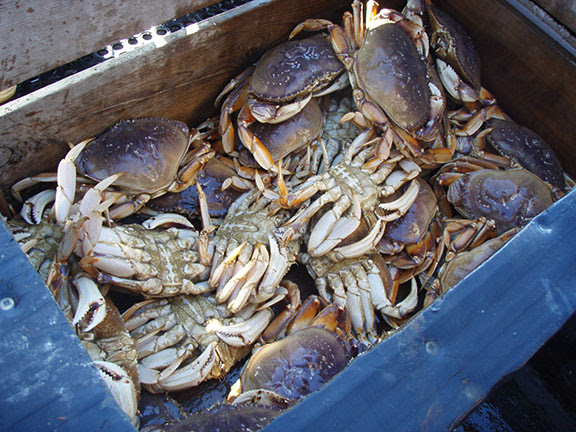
465, 263
147, 150
410, 228
291, 135
210, 178
296, 365
526, 148
224, 417
511, 198
454, 45
390, 70
294, 68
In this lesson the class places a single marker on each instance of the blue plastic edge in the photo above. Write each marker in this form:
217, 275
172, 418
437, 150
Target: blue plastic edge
48, 378
440, 365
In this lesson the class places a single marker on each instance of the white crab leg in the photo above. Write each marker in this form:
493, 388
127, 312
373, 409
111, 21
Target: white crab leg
401, 205
150, 343
457, 88
91, 303
66, 178
366, 301
353, 302
403, 308
218, 271
244, 333
236, 280
167, 219
183, 378
264, 114
121, 387
278, 266
33, 208
332, 228
259, 397
252, 278
364, 245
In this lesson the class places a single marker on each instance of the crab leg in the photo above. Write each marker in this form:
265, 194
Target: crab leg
387, 308
244, 333
121, 387
332, 228
188, 376
33, 208
363, 246
91, 303
278, 266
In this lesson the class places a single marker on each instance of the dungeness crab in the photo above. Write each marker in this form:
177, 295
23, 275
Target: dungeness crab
279, 86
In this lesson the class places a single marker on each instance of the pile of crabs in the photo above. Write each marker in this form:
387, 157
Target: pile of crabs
366, 154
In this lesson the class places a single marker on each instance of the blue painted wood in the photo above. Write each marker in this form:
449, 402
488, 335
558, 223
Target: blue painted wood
47, 378
447, 358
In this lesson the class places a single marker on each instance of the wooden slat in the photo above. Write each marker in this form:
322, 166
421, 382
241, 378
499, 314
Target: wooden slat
531, 76
563, 10
39, 35
178, 80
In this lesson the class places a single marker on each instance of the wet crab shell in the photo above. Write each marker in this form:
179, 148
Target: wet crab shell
525, 147
511, 197
224, 417
294, 68
293, 134
147, 150
297, 365
210, 178
390, 69
410, 228
453, 44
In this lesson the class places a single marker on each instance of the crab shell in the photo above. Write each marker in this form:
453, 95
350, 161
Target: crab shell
509, 197
293, 134
410, 228
452, 44
295, 68
296, 365
210, 178
392, 73
225, 417
524, 147
148, 151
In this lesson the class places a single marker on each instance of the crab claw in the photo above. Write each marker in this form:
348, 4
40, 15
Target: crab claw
33, 208
387, 308
121, 387
244, 333
183, 378
91, 307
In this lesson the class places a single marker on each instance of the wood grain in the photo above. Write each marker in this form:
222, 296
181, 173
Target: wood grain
38, 35
178, 80
563, 10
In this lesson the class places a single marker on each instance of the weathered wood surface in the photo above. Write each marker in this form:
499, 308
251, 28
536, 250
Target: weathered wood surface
179, 79
531, 76
563, 10
40, 35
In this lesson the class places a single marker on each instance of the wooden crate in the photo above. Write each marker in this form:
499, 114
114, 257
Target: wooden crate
427, 375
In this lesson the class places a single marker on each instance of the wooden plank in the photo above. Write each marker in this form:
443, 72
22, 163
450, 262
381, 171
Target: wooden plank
563, 10
50, 380
530, 74
445, 360
39, 35
179, 77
